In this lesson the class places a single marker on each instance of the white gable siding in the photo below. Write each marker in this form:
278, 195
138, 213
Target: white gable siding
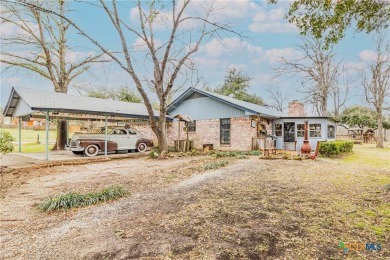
22, 109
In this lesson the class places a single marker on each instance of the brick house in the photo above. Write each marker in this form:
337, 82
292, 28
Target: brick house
231, 124
224, 122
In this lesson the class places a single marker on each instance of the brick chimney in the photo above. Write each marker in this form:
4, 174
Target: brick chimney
296, 108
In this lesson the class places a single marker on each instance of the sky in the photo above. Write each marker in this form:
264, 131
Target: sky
267, 37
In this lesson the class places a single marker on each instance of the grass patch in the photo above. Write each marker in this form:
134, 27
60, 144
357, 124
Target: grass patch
215, 165
34, 147
31, 136
220, 154
77, 200
368, 154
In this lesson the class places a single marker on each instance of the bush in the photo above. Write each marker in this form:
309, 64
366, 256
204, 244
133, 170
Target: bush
154, 153
76, 200
6, 140
335, 148
236, 154
216, 165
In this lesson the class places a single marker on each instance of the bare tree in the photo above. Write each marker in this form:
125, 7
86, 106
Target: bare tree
316, 69
339, 92
376, 81
42, 37
278, 97
168, 56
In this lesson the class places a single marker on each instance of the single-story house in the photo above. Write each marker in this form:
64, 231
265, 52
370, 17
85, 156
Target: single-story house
231, 124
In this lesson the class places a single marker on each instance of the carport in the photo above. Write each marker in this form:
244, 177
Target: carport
25, 103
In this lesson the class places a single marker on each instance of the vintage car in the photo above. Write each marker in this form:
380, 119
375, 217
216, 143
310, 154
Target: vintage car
118, 140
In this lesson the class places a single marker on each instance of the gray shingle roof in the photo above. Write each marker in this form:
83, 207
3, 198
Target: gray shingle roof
250, 107
40, 100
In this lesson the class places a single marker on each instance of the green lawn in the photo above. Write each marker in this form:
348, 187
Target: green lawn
368, 154
30, 137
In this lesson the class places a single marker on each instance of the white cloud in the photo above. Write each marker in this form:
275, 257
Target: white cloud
202, 61
271, 21
227, 9
353, 65
229, 46
276, 27
367, 55
274, 55
76, 56
237, 66
140, 45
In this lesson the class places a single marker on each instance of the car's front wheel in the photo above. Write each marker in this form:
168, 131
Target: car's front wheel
142, 147
91, 150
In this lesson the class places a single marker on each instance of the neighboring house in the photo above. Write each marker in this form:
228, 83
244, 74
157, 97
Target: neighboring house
231, 124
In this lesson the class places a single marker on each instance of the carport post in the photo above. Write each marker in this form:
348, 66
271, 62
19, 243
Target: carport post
105, 137
47, 135
20, 134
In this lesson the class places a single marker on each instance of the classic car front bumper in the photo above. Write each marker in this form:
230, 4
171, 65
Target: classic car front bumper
74, 149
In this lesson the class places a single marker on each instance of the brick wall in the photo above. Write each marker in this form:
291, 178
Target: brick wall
296, 108
208, 132
146, 130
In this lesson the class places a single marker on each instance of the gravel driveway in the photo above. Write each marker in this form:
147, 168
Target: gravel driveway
155, 184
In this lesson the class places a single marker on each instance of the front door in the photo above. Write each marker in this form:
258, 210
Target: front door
289, 132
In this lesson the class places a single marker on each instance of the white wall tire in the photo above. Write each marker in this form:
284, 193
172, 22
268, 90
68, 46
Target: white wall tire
91, 150
142, 147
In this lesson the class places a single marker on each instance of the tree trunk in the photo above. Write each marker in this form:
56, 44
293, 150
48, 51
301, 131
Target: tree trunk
62, 130
163, 139
379, 141
324, 105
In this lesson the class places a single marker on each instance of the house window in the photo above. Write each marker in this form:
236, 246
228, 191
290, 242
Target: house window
192, 126
331, 131
278, 129
300, 130
315, 130
225, 131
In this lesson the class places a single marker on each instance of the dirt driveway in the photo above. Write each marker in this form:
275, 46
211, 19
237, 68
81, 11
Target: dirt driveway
251, 209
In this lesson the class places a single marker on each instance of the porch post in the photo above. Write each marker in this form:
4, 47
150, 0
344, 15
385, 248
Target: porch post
105, 137
47, 135
20, 134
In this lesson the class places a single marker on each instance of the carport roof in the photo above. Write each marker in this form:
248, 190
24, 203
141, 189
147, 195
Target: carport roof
30, 102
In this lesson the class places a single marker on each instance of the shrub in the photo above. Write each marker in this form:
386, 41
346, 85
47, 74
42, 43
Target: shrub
6, 140
236, 154
226, 154
154, 153
76, 200
335, 148
171, 149
255, 153
216, 165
